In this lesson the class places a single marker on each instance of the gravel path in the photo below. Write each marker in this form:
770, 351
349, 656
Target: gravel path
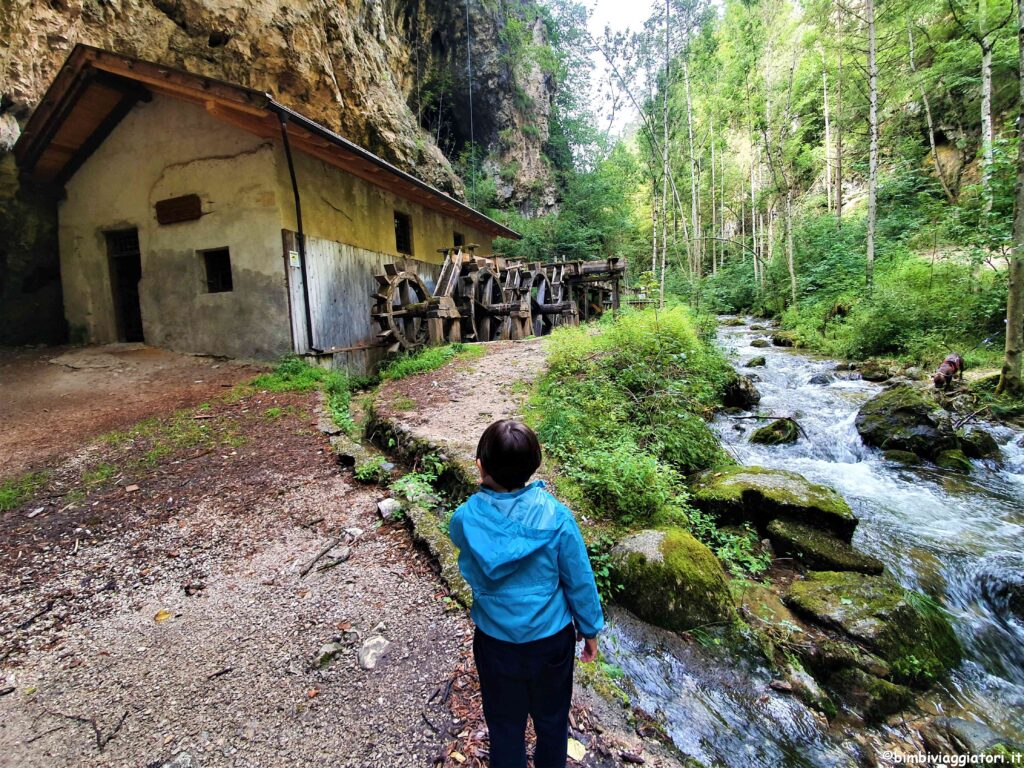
153, 635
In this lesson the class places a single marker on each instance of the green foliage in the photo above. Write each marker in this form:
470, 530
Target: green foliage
428, 359
600, 551
372, 470
738, 549
621, 411
18, 490
293, 374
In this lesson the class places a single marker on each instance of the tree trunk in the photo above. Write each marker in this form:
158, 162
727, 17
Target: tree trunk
664, 156
654, 229
873, 157
714, 219
1010, 377
694, 216
986, 121
839, 137
753, 226
828, 133
928, 117
789, 244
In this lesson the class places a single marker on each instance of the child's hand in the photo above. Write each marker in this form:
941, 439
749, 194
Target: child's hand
589, 648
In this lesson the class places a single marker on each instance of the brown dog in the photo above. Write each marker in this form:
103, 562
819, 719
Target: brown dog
951, 367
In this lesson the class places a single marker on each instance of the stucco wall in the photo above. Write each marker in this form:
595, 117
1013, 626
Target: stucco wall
343, 208
164, 149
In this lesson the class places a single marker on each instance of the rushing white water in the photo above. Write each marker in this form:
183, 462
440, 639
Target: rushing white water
958, 538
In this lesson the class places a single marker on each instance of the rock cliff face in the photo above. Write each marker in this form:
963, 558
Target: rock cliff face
391, 75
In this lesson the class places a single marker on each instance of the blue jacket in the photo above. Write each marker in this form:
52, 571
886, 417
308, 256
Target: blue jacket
524, 558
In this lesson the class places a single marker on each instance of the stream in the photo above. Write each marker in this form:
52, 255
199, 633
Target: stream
958, 538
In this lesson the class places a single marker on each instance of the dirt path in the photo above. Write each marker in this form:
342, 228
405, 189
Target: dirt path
172, 621
52, 399
453, 405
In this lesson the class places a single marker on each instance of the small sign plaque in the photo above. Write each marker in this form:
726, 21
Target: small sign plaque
177, 209
293, 259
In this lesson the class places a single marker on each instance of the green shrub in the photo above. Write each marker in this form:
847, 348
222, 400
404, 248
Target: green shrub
622, 411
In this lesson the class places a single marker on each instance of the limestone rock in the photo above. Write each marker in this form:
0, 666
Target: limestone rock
903, 628
372, 650
905, 419
779, 432
819, 550
672, 580
758, 496
389, 508
328, 652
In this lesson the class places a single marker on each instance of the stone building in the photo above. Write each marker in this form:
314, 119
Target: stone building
206, 217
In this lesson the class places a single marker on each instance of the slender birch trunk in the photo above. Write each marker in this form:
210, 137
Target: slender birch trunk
664, 153
714, 222
986, 120
873, 156
694, 216
828, 133
839, 137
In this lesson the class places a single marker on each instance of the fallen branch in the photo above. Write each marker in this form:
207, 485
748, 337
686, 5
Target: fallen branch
346, 553
44, 734
38, 614
968, 417
101, 739
7, 691
334, 542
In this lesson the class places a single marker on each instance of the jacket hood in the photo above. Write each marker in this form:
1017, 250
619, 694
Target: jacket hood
510, 527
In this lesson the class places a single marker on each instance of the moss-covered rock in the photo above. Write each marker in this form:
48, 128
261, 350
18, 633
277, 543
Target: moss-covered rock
783, 339
902, 457
733, 322
818, 549
779, 432
740, 392
671, 580
760, 343
758, 327
872, 370
757, 362
758, 495
905, 418
871, 697
954, 459
904, 628
979, 444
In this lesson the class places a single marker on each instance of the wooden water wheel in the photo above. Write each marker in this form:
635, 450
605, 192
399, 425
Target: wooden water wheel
400, 308
545, 306
482, 306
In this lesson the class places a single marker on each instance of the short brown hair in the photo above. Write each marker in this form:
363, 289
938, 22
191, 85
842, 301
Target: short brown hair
509, 452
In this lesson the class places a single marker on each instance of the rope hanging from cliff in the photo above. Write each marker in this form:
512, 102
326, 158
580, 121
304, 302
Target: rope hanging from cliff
469, 71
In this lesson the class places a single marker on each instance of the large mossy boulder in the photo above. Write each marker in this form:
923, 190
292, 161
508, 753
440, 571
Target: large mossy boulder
979, 444
954, 459
906, 418
783, 339
757, 362
740, 392
818, 549
871, 697
760, 343
903, 628
671, 580
758, 496
779, 432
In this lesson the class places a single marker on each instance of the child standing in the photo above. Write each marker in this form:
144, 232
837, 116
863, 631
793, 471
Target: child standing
522, 554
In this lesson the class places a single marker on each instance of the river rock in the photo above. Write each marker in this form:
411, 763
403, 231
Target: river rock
671, 580
757, 362
389, 508
740, 392
820, 379
758, 327
760, 343
871, 697
902, 457
783, 339
779, 432
903, 628
979, 444
758, 495
1000, 579
733, 322
956, 736
818, 549
906, 419
954, 459
872, 370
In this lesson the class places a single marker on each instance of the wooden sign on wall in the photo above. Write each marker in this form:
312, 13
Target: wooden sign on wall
177, 209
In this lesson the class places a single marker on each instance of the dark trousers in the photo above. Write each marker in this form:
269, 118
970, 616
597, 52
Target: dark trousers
526, 679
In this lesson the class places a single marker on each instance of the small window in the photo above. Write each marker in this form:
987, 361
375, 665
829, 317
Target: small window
403, 233
460, 239
218, 270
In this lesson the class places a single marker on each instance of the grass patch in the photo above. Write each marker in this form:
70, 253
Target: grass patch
403, 403
99, 474
429, 359
293, 374
18, 490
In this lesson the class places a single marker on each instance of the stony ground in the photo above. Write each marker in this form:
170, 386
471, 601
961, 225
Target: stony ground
202, 590
55, 398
